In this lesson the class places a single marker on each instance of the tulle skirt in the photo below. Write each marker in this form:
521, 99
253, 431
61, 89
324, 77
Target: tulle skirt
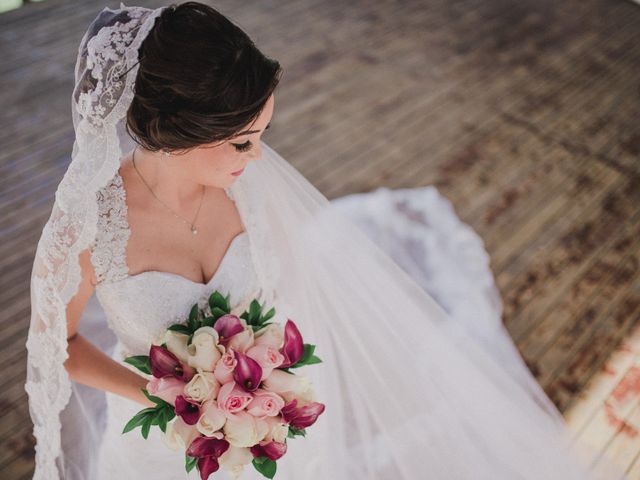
420, 230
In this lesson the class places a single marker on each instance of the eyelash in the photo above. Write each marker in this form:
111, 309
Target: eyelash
246, 146
243, 147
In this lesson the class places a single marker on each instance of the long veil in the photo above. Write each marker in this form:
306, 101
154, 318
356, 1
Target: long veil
409, 392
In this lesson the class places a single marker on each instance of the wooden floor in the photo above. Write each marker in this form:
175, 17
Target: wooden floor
524, 114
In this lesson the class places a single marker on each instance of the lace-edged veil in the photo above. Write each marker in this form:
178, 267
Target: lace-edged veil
408, 392
105, 71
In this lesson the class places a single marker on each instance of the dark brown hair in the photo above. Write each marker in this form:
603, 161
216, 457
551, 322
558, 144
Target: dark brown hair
200, 80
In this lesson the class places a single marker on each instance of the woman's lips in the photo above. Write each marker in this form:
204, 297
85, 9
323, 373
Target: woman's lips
237, 173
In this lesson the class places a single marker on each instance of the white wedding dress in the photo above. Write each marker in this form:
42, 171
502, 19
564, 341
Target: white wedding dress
417, 227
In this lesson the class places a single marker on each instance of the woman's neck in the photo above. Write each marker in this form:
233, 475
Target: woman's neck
165, 175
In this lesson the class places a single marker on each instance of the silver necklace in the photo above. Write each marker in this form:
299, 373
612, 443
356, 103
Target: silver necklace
192, 225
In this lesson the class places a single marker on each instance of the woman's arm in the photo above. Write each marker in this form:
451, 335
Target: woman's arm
87, 364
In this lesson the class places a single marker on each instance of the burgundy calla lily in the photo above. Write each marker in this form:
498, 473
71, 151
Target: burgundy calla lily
227, 326
273, 450
164, 363
293, 347
188, 410
206, 466
302, 417
207, 450
247, 372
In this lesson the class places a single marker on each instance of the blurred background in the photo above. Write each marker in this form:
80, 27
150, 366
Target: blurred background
525, 115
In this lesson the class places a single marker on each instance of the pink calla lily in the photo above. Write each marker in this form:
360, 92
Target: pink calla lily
207, 450
302, 417
247, 372
227, 326
273, 450
187, 409
293, 347
164, 363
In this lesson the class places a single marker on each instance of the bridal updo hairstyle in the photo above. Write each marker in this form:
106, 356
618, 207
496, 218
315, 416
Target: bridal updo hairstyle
200, 80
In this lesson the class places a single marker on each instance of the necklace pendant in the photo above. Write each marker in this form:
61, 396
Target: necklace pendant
194, 230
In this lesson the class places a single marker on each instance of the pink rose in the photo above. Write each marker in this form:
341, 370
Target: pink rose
280, 382
265, 404
232, 398
167, 388
272, 334
267, 356
224, 368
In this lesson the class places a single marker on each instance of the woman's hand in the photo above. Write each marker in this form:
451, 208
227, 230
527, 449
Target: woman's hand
91, 366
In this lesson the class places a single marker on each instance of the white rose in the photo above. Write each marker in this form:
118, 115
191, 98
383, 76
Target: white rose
234, 459
202, 385
211, 419
204, 351
179, 435
306, 397
244, 430
278, 429
177, 344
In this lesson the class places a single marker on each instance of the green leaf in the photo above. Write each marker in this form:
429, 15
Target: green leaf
156, 400
146, 426
165, 416
137, 419
180, 328
218, 312
309, 361
216, 300
265, 466
208, 321
260, 327
269, 314
194, 324
313, 360
141, 362
193, 314
189, 462
163, 425
254, 311
308, 351
170, 413
293, 432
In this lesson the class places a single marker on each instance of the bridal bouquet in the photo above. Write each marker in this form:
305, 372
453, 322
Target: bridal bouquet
224, 390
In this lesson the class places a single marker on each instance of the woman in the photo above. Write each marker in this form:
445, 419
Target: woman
171, 194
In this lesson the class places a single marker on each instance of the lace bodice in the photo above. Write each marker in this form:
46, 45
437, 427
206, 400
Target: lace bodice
140, 307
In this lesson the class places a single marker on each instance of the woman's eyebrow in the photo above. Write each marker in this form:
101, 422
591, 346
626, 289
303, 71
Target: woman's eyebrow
247, 132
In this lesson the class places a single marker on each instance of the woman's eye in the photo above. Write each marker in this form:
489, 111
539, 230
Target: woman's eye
242, 147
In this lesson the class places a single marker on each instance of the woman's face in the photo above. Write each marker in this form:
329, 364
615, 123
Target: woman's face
214, 164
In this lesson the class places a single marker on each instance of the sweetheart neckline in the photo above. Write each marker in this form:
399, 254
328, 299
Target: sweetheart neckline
171, 274
200, 284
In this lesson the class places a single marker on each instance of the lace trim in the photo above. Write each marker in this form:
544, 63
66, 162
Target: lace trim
108, 251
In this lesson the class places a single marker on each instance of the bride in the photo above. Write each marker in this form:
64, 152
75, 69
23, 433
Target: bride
171, 194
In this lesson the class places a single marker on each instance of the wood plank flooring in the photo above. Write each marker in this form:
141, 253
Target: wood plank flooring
526, 115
